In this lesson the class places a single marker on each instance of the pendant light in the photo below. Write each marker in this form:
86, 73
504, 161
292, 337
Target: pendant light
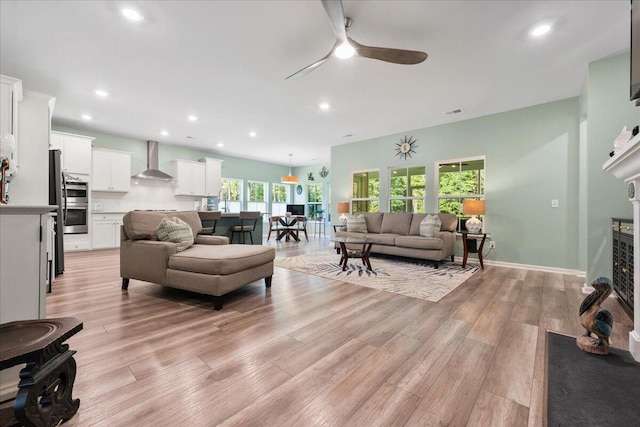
289, 179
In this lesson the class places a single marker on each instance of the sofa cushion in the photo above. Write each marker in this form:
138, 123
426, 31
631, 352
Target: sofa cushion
379, 239
356, 224
430, 225
177, 231
142, 225
374, 221
419, 242
449, 222
221, 259
190, 217
396, 223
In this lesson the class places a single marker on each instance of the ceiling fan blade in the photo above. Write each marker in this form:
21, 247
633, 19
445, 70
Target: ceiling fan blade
396, 56
335, 13
310, 68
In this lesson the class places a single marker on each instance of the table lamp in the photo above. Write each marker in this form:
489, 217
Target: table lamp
473, 208
343, 208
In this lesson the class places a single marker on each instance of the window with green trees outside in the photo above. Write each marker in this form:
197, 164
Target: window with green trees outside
232, 194
366, 191
459, 180
407, 189
314, 201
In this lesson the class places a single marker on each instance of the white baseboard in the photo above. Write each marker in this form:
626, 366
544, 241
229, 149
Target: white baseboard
526, 267
634, 345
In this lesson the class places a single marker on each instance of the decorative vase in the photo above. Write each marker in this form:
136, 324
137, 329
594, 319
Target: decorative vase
473, 224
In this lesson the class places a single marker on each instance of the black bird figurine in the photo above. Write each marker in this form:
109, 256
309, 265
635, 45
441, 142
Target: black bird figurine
596, 321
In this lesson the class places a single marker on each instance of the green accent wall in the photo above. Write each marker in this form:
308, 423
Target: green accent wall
531, 158
533, 155
608, 111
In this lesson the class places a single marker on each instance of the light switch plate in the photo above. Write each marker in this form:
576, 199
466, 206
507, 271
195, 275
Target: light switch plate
554, 203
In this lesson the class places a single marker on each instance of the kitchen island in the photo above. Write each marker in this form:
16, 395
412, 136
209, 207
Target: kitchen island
228, 220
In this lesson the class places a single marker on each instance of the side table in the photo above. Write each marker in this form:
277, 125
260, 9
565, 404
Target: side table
46, 383
470, 245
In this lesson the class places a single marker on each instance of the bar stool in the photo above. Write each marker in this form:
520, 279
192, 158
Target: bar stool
211, 217
248, 221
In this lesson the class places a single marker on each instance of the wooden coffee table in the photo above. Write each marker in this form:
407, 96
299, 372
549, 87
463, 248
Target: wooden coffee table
347, 252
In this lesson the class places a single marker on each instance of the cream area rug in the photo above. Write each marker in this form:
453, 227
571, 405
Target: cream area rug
412, 278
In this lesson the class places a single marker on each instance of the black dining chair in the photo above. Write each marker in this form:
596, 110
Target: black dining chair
248, 221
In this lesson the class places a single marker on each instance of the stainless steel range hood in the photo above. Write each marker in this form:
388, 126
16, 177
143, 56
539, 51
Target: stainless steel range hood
152, 172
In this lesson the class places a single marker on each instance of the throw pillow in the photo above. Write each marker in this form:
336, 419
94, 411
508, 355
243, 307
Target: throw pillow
356, 224
177, 231
430, 225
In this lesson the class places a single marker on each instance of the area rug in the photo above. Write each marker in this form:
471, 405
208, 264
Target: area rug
415, 279
586, 389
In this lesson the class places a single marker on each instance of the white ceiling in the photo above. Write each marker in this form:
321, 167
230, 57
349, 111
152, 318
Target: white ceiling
225, 61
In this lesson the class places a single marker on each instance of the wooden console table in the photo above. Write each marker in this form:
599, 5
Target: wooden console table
46, 383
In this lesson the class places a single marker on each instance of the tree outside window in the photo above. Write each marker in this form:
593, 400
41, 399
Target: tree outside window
279, 198
233, 194
366, 191
257, 196
314, 201
460, 180
407, 189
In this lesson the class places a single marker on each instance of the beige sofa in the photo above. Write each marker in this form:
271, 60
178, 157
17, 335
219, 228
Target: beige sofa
211, 266
398, 233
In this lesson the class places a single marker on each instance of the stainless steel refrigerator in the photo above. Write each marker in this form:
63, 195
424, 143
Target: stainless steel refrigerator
56, 182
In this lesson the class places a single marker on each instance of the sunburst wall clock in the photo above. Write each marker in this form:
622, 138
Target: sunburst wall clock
406, 147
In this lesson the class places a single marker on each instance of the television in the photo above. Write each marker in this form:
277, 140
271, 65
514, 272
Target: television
296, 209
634, 87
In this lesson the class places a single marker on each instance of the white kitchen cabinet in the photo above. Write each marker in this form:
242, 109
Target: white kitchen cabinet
190, 178
213, 176
76, 151
76, 242
105, 232
10, 96
110, 171
23, 265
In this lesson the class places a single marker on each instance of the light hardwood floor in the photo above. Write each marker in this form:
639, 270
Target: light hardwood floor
313, 351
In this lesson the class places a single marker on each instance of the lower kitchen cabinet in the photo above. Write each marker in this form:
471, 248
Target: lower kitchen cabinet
105, 232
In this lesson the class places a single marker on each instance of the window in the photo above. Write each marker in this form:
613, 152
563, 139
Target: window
459, 180
366, 192
256, 196
279, 199
407, 189
232, 194
314, 200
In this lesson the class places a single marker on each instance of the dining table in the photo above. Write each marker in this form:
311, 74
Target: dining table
288, 231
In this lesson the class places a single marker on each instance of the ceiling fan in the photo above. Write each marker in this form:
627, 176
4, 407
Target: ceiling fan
345, 46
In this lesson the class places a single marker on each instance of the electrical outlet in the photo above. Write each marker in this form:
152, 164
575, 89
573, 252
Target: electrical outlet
492, 245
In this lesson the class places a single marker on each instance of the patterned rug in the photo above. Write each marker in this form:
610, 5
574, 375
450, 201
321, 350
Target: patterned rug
412, 278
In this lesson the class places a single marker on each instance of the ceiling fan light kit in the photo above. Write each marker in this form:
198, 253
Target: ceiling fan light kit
345, 47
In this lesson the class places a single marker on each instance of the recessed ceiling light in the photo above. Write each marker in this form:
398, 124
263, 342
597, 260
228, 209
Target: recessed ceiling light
253, 134
192, 118
164, 133
220, 144
540, 30
86, 117
345, 51
324, 106
102, 93
132, 14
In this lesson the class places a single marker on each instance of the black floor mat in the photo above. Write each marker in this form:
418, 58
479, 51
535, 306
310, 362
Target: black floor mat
590, 390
